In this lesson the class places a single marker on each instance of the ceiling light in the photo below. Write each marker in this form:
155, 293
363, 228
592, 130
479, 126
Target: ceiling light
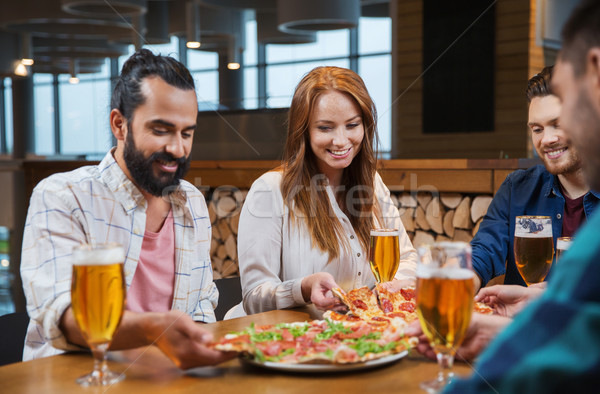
192, 24
21, 70
315, 15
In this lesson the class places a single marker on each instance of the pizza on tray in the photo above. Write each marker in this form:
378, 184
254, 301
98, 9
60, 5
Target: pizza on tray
317, 341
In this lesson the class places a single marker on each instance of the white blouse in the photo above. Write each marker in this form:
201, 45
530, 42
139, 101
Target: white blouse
276, 254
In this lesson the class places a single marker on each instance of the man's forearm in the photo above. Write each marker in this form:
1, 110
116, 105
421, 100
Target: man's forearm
132, 332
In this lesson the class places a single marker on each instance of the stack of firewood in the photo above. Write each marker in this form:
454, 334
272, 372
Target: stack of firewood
224, 210
427, 217
431, 216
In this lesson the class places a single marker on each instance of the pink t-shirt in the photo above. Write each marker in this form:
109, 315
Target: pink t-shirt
151, 289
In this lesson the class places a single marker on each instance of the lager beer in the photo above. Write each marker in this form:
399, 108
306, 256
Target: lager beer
384, 254
445, 291
444, 306
533, 247
98, 296
97, 301
562, 244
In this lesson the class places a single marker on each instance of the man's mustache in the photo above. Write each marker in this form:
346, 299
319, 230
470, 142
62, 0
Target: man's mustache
167, 157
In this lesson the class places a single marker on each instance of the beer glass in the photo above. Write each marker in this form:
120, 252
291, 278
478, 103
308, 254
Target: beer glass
562, 244
384, 254
445, 291
534, 247
98, 300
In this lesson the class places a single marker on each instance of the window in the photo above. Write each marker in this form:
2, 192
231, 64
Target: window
7, 137
271, 71
43, 91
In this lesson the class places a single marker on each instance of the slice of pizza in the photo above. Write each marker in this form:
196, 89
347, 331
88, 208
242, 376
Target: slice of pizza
361, 302
399, 304
485, 309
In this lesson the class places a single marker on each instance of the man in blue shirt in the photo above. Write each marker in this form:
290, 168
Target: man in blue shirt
554, 344
556, 189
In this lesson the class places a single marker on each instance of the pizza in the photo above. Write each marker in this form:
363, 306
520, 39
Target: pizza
398, 304
317, 341
377, 308
482, 308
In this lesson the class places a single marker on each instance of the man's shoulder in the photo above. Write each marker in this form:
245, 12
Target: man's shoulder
65, 180
535, 174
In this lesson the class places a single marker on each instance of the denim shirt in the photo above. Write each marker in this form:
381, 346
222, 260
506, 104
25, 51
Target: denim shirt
524, 192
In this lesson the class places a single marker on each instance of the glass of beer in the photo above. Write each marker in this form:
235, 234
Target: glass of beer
98, 300
445, 292
384, 254
534, 247
562, 244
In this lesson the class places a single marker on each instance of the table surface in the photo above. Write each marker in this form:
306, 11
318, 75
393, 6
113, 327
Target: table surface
149, 371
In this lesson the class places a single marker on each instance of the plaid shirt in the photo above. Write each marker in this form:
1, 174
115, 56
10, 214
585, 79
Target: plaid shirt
553, 346
99, 204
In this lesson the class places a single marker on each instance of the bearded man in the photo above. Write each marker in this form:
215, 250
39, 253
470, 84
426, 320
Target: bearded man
556, 189
135, 197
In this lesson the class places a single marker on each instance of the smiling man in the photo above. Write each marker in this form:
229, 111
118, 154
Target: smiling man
556, 189
135, 197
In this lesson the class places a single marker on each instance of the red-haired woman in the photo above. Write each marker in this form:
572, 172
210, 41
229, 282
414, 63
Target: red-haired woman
305, 226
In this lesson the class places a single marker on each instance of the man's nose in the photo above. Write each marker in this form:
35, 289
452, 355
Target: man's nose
551, 136
175, 146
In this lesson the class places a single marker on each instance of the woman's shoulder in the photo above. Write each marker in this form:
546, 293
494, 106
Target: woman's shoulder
270, 178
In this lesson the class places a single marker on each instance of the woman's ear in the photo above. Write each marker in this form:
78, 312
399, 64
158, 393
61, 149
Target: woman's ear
118, 124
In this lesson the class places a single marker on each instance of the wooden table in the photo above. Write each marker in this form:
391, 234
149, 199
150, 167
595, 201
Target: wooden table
149, 371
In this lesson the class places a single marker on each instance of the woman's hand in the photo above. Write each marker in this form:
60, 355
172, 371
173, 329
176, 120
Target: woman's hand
316, 288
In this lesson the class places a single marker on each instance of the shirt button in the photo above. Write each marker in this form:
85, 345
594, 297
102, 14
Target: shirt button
359, 273
558, 216
358, 254
352, 237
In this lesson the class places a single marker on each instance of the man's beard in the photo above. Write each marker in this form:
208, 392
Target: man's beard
142, 170
570, 167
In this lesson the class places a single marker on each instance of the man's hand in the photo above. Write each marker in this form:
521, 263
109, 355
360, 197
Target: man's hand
182, 340
174, 333
482, 329
317, 288
508, 300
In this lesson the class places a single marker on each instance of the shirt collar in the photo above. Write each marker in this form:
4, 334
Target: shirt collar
125, 190
554, 187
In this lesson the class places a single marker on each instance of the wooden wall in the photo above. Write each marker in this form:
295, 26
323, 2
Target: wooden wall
517, 58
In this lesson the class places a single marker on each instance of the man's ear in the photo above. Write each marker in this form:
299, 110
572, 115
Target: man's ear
118, 124
593, 72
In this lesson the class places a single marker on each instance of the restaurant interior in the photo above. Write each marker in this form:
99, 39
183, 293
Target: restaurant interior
448, 79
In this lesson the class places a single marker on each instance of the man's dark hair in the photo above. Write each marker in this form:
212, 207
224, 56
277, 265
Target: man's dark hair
539, 84
580, 33
127, 96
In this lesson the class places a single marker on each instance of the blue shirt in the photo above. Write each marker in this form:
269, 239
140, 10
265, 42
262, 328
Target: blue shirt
524, 192
553, 345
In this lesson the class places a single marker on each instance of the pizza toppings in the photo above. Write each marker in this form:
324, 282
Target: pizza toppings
319, 340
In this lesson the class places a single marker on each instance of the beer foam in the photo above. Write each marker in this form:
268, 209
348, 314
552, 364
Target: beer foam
384, 232
444, 273
563, 244
98, 255
533, 227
